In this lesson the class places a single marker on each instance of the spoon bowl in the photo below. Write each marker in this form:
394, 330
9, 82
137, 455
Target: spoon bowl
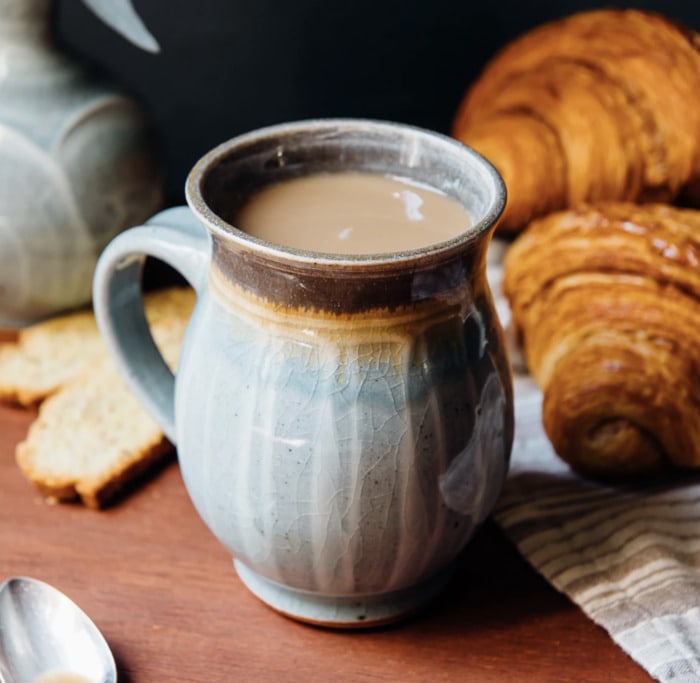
43, 632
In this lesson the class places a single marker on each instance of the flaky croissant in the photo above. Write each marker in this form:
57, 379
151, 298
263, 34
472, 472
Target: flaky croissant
606, 302
601, 105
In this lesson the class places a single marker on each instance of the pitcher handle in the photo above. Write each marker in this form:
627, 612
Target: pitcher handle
177, 238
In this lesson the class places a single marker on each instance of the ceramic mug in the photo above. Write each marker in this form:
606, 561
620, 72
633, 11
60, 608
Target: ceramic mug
343, 423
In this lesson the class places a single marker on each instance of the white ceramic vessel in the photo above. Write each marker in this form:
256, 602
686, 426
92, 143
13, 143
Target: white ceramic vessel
77, 166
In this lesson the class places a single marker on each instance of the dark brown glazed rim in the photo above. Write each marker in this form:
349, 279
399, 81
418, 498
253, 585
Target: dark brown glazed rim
226, 176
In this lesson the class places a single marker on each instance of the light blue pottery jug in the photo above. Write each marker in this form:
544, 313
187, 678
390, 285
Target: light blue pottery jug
77, 164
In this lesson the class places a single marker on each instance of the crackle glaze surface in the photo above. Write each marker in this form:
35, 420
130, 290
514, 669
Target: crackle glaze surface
76, 168
343, 424
348, 457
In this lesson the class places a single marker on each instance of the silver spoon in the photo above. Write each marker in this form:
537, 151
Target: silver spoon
45, 636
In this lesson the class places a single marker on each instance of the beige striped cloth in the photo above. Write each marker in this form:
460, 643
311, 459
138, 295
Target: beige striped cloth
628, 556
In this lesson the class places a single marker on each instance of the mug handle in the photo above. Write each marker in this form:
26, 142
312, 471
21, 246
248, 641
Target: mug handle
176, 237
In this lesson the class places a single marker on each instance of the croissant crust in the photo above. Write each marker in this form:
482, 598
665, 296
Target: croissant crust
606, 301
596, 106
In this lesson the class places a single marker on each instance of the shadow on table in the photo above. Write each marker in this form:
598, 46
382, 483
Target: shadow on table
493, 586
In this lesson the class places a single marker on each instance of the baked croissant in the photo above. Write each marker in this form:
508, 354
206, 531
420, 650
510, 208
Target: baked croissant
606, 302
601, 105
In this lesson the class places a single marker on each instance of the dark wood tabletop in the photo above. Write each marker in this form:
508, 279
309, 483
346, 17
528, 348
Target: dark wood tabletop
165, 595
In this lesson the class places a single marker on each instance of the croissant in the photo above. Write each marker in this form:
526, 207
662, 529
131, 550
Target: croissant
601, 105
606, 302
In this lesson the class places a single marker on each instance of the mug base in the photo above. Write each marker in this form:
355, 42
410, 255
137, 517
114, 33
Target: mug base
342, 612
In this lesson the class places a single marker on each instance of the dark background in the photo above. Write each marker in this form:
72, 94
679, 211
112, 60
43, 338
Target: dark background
228, 66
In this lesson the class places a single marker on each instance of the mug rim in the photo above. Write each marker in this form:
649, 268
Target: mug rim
229, 232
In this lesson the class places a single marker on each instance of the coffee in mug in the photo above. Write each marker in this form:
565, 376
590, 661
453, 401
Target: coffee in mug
351, 213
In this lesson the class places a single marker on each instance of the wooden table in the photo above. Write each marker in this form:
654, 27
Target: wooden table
164, 593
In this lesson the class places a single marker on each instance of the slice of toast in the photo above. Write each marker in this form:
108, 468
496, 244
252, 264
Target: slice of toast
49, 354
91, 437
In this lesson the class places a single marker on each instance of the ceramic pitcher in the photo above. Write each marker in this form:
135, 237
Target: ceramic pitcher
343, 423
77, 165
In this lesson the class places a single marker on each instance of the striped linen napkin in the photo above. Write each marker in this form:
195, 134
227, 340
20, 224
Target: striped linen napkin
629, 556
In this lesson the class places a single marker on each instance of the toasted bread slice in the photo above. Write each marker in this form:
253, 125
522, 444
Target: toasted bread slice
91, 437
46, 356
50, 354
